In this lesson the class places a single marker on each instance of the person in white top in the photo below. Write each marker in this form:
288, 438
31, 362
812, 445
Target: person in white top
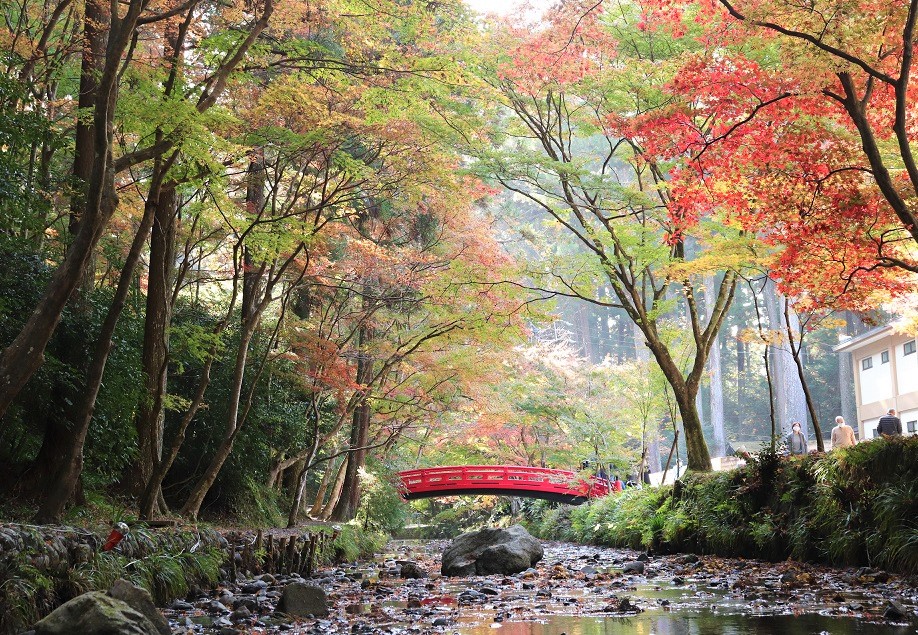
842, 434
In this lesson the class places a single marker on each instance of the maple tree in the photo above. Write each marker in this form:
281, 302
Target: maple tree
569, 88
800, 116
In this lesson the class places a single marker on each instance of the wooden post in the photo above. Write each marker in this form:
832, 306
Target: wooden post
259, 539
291, 555
311, 557
269, 557
247, 558
281, 550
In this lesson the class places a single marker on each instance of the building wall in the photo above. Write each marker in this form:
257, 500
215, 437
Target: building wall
886, 384
907, 369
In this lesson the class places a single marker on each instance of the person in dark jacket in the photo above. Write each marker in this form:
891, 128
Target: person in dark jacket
889, 425
796, 442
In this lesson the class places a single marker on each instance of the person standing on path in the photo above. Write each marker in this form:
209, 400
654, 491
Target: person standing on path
889, 425
603, 475
842, 434
796, 442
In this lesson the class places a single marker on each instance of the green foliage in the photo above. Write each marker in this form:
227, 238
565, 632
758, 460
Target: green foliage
353, 543
382, 508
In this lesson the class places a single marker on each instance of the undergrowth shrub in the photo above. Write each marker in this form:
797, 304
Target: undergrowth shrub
855, 506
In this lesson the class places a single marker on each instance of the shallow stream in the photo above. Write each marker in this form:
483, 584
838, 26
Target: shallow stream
582, 590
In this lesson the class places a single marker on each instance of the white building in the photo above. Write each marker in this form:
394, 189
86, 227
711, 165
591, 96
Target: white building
885, 376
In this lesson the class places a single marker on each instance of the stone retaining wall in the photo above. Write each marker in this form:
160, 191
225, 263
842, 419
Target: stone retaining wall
43, 566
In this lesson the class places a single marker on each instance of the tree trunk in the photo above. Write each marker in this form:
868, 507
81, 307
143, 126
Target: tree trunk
69, 464
97, 16
319, 502
335, 495
346, 508
192, 505
790, 402
155, 359
847, 391
300, 485
796, 346
695, 446
26, 353
253, 279
716, 402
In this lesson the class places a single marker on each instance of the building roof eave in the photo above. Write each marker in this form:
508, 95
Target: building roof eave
864, 339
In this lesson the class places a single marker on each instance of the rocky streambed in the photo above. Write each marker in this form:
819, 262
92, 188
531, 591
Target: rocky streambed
574, 589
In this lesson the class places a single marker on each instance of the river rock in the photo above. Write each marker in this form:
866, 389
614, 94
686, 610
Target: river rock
491, 551
95, 613
896, 611
140, 600
300, 600
411, 570
633, 567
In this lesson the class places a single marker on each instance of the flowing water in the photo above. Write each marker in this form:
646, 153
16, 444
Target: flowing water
579, 590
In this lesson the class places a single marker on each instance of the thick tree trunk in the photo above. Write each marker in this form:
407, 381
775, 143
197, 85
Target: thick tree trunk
346, 508
790, 401
68, 465
25, 354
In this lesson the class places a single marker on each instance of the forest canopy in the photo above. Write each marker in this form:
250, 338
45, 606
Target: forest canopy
258, 256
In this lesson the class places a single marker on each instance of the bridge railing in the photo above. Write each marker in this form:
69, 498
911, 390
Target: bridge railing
501, 476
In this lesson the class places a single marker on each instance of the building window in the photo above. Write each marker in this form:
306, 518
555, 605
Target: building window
908, 348
867, 363
884, 357
912, 427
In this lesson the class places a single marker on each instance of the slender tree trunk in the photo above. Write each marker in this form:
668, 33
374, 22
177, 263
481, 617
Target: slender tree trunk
716, 402
790, 403
763, 336
192, 505
300, 485
327, 477
155, 358
796, 347
252, 310
846, 386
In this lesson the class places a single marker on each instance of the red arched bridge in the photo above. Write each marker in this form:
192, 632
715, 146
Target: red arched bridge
503, 480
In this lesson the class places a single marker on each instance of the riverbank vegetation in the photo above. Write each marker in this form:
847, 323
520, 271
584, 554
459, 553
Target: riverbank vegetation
854, 506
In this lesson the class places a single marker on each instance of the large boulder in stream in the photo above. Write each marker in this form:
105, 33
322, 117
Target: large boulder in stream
491, 551
95, 613
300, 599
140, 600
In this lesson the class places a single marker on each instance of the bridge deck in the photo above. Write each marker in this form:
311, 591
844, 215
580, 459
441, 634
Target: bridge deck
506, 480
